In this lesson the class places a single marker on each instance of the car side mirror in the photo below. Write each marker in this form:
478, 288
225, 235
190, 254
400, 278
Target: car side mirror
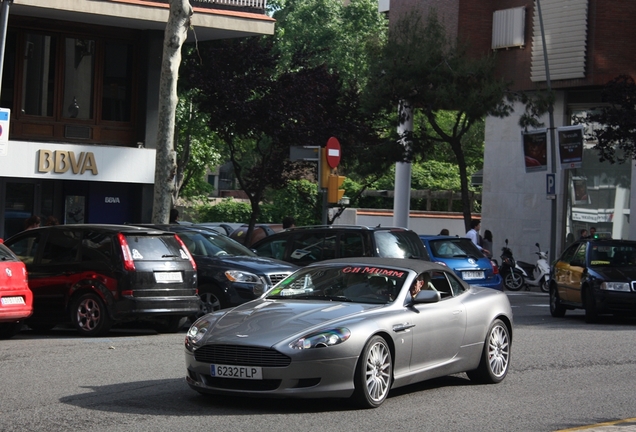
427, 296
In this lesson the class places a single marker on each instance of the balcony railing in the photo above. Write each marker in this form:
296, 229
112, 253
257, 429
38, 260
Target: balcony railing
257, 6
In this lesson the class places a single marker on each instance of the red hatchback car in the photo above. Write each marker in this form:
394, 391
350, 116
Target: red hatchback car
16, 299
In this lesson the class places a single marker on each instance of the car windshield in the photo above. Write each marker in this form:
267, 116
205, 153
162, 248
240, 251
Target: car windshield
210, 244
612, 255
454, 248
347, 283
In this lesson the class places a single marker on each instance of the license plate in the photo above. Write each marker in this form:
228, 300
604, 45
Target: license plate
167, 277
12, 300
470, 275
240, 372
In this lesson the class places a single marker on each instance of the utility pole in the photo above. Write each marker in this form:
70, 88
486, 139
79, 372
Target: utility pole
402, 195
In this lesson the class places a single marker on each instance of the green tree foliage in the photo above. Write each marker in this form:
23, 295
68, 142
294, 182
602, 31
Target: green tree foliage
419, 64
299, 199
331, 32
258, 113
196, 148
228, 210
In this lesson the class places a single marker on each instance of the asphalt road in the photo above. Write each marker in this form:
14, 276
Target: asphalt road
564, 374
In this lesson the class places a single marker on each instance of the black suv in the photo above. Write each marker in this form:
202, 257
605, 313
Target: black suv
97, 275
305, 245
229, 273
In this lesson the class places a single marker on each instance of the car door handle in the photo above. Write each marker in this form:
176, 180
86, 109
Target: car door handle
402, 327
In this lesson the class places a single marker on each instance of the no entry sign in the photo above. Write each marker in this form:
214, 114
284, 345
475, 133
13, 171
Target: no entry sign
333, 152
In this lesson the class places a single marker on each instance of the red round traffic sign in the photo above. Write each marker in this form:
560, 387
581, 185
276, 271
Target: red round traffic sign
333, 152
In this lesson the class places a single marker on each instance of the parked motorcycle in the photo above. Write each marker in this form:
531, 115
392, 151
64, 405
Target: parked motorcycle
510, 271
537, 274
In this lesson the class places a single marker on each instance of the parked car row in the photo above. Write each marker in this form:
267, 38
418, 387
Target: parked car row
97, 276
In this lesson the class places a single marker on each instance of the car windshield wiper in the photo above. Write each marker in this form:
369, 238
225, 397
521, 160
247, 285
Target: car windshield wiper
169, 256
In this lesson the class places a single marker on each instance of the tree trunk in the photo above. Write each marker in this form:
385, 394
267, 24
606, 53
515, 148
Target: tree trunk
166, 164
456, 145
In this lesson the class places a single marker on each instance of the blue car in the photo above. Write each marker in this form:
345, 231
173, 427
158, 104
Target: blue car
463, 257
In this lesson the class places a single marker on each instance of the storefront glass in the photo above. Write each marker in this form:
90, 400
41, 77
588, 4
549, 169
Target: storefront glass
598, 195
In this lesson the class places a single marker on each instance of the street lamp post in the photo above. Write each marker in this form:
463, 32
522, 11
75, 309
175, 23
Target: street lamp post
553, 152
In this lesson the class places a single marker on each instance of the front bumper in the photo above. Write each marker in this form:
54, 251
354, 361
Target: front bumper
615, 302
302, 379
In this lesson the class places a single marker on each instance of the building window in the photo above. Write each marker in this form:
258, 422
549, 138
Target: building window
63, 86
79, 67
38, 79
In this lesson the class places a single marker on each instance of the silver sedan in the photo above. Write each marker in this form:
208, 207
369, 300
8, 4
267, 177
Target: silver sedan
352, 328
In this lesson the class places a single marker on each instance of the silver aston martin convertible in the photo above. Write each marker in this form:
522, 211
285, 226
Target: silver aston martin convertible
352, 328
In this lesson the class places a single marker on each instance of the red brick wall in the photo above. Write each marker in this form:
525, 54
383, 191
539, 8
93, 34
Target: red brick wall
611, 42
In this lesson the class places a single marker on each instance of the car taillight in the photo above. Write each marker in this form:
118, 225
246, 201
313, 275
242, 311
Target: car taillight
185, 249
129, 264
495, 267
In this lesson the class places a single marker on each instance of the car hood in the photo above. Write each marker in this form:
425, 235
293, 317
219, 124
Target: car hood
267, 322
255, 264
619, 274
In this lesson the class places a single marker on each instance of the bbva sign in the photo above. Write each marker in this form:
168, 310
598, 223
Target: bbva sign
60, 161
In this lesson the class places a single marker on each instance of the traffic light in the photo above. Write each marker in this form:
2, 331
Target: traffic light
334, 193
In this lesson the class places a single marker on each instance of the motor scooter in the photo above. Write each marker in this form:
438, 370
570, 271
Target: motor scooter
537, 274
512, 274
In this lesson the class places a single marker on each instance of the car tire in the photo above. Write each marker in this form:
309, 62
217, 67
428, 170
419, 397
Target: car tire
557, 310
495, 358
8, 330
210, 300
514, 281
591, 312
171, 324
374, 374
90, 316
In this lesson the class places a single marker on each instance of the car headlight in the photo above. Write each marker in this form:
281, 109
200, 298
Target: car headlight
615, 286
199, 329
322, 339
242, 277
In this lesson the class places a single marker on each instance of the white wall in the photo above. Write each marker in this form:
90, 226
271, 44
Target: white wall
420, 222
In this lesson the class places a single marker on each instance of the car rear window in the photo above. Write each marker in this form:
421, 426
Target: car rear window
454, 248
398, 244
152, 248
5, 254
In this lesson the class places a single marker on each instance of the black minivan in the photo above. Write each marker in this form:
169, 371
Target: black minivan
304, 245
98, 275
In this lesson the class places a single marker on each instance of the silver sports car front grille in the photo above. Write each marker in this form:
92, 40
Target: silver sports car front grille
238, 355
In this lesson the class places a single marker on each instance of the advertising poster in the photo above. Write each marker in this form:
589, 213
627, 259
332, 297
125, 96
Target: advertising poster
570, 140
579, 191
535, 150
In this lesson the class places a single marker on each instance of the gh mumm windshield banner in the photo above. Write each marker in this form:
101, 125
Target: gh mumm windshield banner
535, 150
570, 140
